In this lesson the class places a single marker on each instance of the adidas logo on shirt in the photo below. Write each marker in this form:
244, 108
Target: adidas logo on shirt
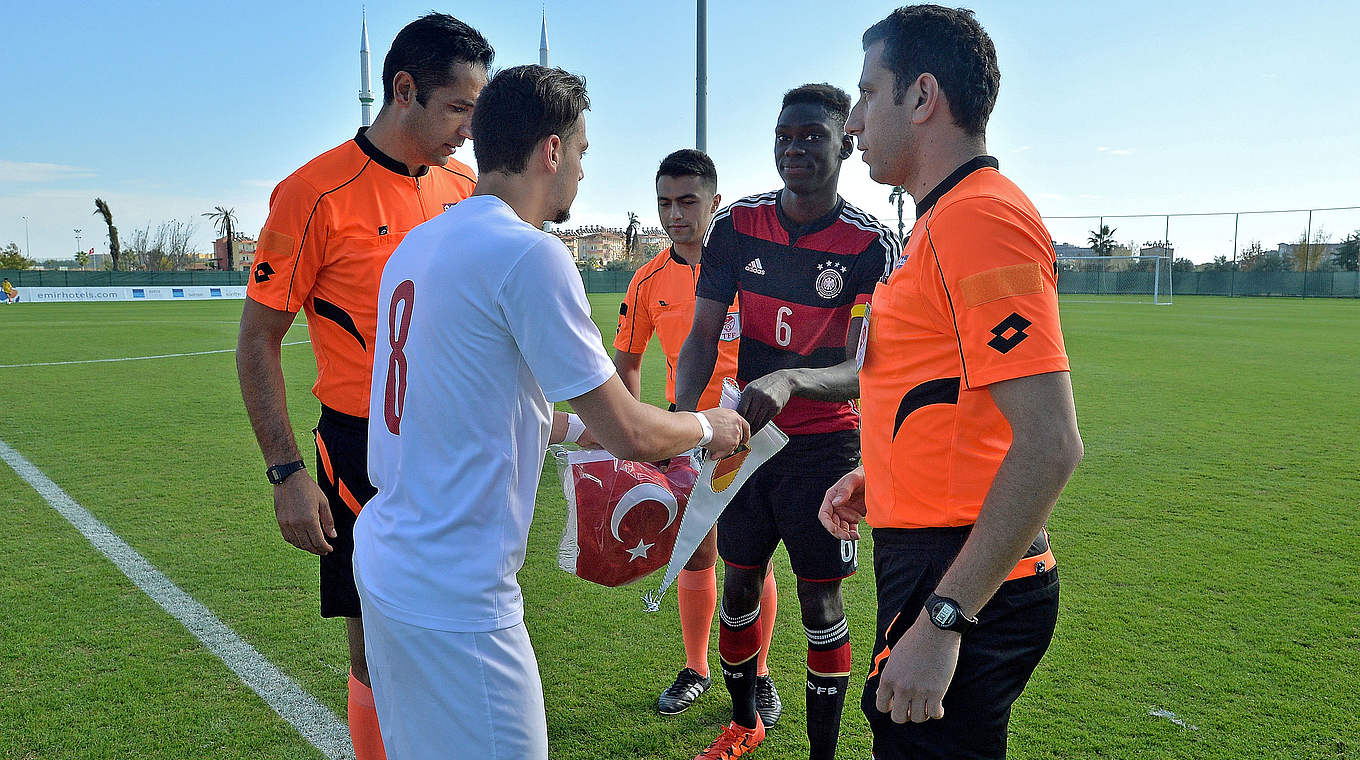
755, 268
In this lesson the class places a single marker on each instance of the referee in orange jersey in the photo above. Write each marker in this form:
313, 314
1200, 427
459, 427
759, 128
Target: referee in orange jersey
969, 429
332, 225
660, 301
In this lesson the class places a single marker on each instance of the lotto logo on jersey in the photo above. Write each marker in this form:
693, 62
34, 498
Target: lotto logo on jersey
448, 206
731, 327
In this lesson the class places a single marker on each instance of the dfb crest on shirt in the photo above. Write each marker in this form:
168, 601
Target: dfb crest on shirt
829, 282
731, 327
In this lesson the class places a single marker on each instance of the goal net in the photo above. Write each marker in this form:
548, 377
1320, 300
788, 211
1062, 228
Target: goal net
1140, 279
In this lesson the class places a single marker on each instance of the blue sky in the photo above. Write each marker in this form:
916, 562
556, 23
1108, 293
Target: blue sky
168, 109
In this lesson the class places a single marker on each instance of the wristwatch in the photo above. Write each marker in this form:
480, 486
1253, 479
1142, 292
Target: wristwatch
946, 614
280, 472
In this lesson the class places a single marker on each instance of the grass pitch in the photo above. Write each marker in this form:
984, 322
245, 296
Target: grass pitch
1209, 548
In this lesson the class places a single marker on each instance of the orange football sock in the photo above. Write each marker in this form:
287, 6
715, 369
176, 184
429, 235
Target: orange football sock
769, 605
363, 722
697, 591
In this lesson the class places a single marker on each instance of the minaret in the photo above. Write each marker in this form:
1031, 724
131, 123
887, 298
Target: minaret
365, 89
543, 41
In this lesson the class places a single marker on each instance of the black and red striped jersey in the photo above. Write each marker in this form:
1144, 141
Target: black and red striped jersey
798, 285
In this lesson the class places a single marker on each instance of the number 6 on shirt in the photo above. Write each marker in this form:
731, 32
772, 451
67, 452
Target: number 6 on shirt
394, 396
783, 331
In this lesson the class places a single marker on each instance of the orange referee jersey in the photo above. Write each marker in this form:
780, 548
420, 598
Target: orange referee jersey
332, 226
973, 301
660, 299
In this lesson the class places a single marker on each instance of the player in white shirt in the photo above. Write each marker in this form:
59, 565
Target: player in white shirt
482, 324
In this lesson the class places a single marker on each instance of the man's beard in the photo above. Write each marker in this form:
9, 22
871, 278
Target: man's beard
561, 216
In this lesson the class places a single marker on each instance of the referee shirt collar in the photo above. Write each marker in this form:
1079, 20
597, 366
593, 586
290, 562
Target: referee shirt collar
676, 258
382, 159
972, 165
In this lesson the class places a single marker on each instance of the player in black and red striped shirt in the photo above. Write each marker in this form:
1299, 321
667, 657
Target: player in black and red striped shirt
805, 263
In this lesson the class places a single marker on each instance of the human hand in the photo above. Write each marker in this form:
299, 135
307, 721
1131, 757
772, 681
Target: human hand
765, 397
588, 441
730, 432
843, 506
303, 513
917, 673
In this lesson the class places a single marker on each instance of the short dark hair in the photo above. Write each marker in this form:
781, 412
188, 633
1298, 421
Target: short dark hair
427, 48
948, 43
832, 98
689, 162
520, 107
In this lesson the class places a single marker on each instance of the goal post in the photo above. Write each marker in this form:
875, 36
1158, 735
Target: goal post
1122, 276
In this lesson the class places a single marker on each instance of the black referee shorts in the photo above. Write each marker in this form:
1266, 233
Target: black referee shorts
342, 473
996, 657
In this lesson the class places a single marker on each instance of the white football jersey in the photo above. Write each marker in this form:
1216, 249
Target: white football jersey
482, 323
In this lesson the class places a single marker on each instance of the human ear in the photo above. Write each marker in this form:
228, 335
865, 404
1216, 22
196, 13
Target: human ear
928, 97
552, 153
403, 88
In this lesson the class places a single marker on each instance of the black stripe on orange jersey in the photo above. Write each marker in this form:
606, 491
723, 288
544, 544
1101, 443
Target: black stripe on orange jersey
632, 329
306, 228
339, 316
953, 315
464, 176
942, 391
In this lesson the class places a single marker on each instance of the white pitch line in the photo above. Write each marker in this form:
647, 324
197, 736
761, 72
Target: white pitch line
137, 358
317, 724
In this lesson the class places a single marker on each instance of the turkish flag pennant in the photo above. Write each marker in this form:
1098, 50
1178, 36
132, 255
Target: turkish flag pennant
622, 517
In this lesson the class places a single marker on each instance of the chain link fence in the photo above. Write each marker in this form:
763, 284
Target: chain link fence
59, 278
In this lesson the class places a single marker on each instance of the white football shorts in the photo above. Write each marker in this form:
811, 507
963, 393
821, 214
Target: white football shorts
443, 694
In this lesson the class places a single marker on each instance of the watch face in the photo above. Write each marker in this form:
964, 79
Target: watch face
944, 615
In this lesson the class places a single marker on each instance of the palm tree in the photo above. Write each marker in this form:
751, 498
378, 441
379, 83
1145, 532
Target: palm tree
102, 208
1102, 240
225, 221
896, 196
630, 236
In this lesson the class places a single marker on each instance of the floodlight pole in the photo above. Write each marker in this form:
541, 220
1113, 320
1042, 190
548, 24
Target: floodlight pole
701, 77
1307, 253
1171, 255
1232, 273
28, 245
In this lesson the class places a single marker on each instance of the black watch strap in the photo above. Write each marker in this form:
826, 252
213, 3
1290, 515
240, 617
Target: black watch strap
280, 472
947, 615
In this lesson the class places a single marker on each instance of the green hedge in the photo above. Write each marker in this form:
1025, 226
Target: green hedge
51, 278
1295, 284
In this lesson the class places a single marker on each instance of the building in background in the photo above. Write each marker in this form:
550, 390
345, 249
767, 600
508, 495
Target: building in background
245, 252
1157, 248
593, 245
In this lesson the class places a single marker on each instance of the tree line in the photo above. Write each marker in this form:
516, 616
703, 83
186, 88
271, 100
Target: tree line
156, 247
1316, 255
